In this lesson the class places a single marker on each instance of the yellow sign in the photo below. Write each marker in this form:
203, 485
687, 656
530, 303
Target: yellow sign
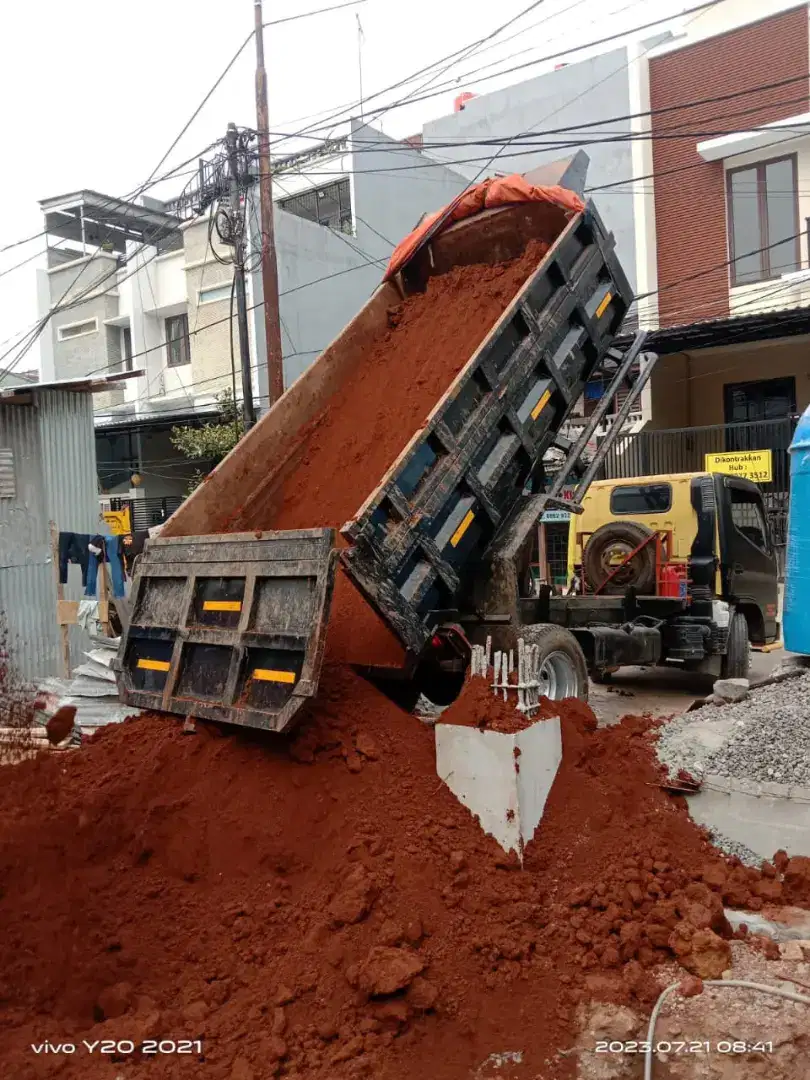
120, 521
754, 465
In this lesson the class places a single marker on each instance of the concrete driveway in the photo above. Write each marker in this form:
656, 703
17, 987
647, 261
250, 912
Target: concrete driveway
663, 691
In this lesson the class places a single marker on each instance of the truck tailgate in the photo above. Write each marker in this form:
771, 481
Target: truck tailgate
229, 627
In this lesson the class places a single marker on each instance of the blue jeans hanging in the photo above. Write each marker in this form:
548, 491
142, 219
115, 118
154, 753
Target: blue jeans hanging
113, 547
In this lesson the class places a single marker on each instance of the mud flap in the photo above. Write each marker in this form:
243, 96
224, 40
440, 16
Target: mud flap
229, 627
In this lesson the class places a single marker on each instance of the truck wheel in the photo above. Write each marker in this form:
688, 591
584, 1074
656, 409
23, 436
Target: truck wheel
563, 672
734, 664
610, 544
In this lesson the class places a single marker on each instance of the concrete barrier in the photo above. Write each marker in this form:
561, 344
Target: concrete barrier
504, 780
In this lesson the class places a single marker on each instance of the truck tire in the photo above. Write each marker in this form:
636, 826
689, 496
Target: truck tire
735, 663
616, 539
563, 670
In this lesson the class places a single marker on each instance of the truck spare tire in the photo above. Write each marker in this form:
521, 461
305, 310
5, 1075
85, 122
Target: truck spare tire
607, 547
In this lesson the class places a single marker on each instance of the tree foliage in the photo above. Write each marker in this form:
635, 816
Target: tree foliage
210, 442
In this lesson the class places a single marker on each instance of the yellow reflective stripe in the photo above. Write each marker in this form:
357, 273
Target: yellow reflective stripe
268, 675
603, 306
222, 605
457, 535
154, 665
541, 404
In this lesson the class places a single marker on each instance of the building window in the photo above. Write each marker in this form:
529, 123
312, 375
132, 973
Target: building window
330, 205
214, 293
760, 399
77, 329
177, 347
641, 499
763, 220
126, 348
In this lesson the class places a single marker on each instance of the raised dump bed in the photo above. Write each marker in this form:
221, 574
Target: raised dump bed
415, 531
420, 536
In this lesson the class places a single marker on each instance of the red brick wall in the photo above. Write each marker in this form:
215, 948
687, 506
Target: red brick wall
690, 207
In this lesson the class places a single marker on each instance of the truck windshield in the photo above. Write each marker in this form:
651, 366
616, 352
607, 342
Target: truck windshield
641, 499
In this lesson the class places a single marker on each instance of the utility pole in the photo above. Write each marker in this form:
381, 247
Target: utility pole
272, 326
238, 229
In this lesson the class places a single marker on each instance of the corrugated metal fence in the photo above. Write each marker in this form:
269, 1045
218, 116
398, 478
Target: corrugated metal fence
52, 446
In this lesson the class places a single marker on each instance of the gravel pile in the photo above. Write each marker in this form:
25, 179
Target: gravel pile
733, 847
764, 738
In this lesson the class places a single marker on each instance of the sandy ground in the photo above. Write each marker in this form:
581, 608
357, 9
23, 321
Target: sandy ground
663, 691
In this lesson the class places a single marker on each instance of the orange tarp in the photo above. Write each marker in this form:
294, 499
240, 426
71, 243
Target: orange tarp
484, 196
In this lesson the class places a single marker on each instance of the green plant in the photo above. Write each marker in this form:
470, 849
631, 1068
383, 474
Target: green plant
210, 442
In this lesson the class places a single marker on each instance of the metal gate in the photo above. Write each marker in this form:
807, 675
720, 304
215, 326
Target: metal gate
679, 450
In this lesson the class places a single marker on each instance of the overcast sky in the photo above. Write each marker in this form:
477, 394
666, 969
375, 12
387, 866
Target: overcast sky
95, 91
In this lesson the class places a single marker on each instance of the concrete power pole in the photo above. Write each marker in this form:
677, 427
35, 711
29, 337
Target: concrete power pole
238, 218
272, 327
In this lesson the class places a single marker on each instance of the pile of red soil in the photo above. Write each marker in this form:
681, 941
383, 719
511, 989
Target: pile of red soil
343, 454
325, 908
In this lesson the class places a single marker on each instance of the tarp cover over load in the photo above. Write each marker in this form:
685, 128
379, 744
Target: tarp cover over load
489, 194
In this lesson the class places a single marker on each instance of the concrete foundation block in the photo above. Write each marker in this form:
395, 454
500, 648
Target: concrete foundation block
504, 780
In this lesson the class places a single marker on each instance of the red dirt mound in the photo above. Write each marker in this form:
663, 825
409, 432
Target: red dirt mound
325, 908
479, 706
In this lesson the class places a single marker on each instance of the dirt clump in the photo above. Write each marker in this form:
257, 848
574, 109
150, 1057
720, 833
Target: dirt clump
797, 880
60, 725
386, 970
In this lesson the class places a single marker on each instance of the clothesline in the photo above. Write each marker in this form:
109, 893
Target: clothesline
89, 551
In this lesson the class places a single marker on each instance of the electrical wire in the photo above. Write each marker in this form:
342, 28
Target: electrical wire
764, 988
173, 173
352, 106
382, 110
29, 339
318, 11
233, 358
373, 145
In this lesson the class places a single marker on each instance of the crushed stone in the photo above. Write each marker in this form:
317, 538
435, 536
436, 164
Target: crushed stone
764, 738
733, 847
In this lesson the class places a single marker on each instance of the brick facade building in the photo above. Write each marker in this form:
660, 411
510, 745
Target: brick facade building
760, 74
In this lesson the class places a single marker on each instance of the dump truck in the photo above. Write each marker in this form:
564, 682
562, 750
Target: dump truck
232, 626
669, 569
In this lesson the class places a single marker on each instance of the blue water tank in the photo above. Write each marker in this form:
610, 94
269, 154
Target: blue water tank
796, 614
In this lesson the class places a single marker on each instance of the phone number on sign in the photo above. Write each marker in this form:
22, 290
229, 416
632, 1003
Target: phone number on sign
725, 1046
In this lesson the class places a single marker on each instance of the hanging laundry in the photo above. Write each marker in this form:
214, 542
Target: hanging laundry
101, 549
73, 548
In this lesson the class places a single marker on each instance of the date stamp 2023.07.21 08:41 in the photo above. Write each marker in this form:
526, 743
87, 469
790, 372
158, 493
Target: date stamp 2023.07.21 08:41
721, 1046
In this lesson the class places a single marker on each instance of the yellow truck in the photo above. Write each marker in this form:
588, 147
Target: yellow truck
672, 568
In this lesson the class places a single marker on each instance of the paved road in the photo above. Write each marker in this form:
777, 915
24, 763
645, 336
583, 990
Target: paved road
662, 691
